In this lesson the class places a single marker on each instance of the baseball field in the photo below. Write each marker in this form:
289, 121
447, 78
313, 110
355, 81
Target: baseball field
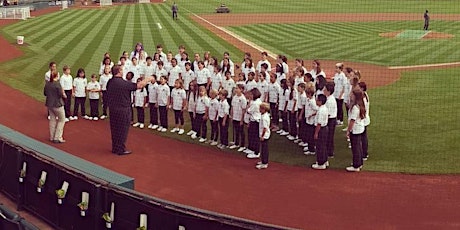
413, 85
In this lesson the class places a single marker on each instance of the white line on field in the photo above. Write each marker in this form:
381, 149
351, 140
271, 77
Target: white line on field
159, 26
425, 66
249, 43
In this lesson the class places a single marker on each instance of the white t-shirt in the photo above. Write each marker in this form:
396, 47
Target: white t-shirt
292, 103
153, 92
48, 75
66, 82
213, 109
262, 86
254, 110
250, 85
167, 66
314, 74
247, 70
202, 76
310, 110
178, 96
93, 86
321, 117
136, 69
264, 124
239, 104
216, 80
229, 85
358, 126
273, 92
367, 119
297, 81
191, 102
232, 66
103, 81
283, 96
188, 76
79, 85
259, 65
148, 70
224, 108
331, 105
201, 104
139, 97
163, 95
340, 81
174, 74
160, 72
301, 101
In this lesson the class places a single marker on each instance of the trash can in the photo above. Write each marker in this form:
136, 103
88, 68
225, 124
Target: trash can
20, 40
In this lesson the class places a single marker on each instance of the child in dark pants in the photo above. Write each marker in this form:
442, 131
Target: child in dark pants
356, 128
152, 98
163, 103
264, 134
310, 113
321, 133
140, 101
237, 111
94, 89
253, 127
223, 113
331, 105
213, 116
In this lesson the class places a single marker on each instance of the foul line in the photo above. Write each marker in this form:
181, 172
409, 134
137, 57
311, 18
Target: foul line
249, 43
425, 66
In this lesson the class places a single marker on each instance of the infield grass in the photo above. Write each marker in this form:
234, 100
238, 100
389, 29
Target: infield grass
413, 130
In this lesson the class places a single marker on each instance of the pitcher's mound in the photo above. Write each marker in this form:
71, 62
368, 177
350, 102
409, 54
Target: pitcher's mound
416, 34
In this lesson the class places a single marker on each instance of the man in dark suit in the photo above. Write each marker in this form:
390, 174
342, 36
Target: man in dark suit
119, 101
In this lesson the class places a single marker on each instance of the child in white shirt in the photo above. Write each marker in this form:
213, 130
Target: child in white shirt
224, 111
140, 102
178, 103
251, 83
237, 112
216, 79
273, 96
229, 85
163, 103
213, 116
153, 95
201, 114
105, 77
264, 135
79, 87
94, 89
66, 84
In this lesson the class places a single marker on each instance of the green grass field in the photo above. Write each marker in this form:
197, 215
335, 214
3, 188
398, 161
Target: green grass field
413, 128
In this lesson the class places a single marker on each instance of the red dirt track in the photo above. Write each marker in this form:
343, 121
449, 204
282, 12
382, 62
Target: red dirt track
227, 183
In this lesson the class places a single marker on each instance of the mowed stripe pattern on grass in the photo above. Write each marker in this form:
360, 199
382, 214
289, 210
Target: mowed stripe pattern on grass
359, 42
79, 38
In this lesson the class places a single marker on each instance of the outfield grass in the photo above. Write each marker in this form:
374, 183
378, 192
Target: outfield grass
413, 128
358, 42
324, 6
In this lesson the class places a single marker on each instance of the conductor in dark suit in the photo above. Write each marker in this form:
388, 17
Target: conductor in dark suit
119, 101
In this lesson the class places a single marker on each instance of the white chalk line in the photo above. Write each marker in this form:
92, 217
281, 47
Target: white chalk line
424, 66
274, 56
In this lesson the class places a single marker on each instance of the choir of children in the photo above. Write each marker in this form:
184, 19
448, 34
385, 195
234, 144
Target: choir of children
257, 99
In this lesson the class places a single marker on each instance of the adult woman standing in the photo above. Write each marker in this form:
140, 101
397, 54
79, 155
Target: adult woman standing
55, 103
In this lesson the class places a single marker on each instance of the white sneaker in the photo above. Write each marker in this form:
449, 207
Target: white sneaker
317, 166
86, 117
174, 130
103, 117
345, 129
248, 151
141, 126
193, 136
301, 143
233, 146
190, 132
253, 155
202, 140
71, 118
67, 120
90, 118
279, 131
159, 128
284, 133
163, 130
136, 124
150, 126
262, 166
181, 131
95, 118
49, 117
352, 169
241, 149
291, 138
309, 153
222, 147
155, 127
213, 143
231, 143
297, 141
75, 117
